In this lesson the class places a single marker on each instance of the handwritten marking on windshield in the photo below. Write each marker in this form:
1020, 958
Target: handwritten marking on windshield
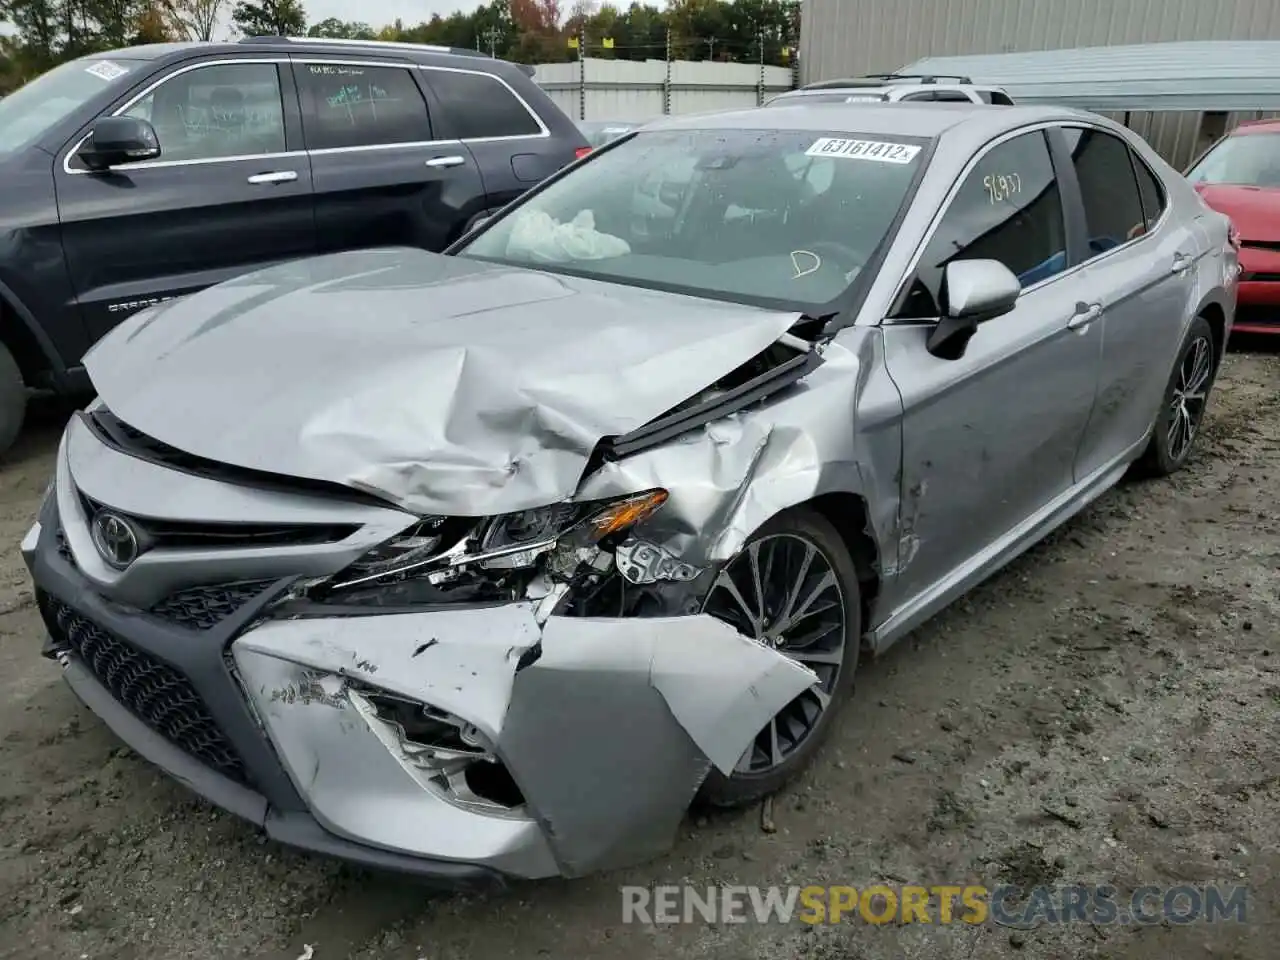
801, 271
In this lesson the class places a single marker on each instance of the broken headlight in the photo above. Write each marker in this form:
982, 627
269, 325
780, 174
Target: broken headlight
440, 551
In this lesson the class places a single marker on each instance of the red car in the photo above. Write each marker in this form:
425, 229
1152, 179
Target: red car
1240, 176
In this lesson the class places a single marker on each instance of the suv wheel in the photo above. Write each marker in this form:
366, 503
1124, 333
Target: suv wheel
13, 400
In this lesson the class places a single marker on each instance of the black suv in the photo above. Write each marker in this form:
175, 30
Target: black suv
135, 176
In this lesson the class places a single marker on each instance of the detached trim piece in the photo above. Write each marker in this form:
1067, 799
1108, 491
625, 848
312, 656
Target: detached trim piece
672, 425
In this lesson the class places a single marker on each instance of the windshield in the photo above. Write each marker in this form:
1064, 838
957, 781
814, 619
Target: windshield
1251, 159
35, 107
786, 217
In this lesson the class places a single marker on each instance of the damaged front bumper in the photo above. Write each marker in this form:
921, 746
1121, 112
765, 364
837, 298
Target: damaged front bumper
465, 744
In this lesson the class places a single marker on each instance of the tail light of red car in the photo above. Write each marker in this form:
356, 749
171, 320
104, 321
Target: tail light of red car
581, 152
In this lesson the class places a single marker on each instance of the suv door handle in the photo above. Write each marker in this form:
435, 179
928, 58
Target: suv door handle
454, 161
277, 176
1181, 262
1085, 314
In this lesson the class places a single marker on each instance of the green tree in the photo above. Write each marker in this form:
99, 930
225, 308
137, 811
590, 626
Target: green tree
336, 29
193, 19
284, 18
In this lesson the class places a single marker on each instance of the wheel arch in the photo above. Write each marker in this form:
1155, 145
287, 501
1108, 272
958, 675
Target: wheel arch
850, 515
31, 347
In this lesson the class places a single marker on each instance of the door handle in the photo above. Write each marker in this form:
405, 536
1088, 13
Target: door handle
1181, 262
1085, 315
454, 161
278, 176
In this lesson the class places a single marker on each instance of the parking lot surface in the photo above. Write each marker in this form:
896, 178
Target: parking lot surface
1106, 710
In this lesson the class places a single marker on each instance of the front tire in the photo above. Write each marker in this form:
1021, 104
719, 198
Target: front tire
13, 400
1182, 408
794, 587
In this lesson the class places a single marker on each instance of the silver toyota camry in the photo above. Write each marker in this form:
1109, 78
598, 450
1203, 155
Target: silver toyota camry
489, 564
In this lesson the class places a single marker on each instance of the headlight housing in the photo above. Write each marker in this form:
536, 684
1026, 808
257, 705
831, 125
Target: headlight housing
440, 549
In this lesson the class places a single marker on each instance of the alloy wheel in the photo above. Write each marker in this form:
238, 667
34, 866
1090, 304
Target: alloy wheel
1190, 393
783, 591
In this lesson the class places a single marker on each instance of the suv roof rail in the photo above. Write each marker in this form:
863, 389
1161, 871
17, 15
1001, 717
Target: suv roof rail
842, 84
920, 77
343, 42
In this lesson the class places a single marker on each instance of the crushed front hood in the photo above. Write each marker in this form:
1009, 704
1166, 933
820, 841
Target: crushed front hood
442, 384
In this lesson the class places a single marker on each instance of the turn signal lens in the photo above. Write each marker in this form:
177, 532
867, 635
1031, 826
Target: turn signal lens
623, 514
581, 152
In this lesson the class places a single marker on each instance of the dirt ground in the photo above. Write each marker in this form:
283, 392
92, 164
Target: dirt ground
1107, 710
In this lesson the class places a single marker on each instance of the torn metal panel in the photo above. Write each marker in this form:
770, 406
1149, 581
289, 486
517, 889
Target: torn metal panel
607, 704
730, 476
357, 788
492, 401
613, 729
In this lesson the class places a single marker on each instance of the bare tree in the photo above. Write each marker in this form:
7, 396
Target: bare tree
194, 19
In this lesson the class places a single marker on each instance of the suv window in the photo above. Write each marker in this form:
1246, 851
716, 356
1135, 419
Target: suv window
346, 105
1112, 204
940, 96
224, 110
480, 106
1007, 209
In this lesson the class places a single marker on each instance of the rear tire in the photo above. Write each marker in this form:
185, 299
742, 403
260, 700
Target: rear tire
13, 400
820, 618
1183, 404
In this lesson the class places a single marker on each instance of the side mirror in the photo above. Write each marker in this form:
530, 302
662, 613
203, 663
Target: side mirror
117, 140
975, 291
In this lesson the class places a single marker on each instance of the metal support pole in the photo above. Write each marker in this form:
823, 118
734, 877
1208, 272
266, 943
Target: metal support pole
582, 72
760, 79
666, 83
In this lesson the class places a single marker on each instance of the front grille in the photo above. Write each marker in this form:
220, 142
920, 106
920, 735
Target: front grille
64, 549
152, 691
202, 608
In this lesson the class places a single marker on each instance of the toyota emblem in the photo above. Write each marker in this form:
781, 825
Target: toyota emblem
115, 539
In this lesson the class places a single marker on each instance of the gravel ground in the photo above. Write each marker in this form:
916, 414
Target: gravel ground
1104, 711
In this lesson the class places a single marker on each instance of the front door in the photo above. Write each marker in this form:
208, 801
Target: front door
231, 192
989, 439
1144, 264
382, 176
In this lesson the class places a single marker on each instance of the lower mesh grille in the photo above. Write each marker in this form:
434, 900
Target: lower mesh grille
202, 608
152, 691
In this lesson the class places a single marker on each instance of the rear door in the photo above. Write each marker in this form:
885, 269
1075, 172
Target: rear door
1141, 268
512, 145
383, 174
230, 192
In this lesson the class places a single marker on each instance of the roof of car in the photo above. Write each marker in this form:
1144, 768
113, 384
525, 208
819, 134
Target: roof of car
156, 51
904, 119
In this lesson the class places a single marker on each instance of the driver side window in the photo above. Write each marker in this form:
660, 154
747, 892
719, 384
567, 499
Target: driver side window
225, 110
1007, 209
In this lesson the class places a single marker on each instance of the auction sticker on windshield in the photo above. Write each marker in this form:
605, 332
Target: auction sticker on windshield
863, 150
106, 70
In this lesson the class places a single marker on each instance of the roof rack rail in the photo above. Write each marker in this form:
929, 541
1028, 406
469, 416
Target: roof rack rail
392, 44
843, 84
920, 77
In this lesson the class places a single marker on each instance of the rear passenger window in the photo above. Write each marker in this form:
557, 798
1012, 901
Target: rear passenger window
1007, 209
1153, 197
356, 106
479, 106
1112, 204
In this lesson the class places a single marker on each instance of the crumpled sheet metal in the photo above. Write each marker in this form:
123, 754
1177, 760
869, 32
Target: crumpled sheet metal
355, 786
614, 728
728, 478
609, 732
446, 385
